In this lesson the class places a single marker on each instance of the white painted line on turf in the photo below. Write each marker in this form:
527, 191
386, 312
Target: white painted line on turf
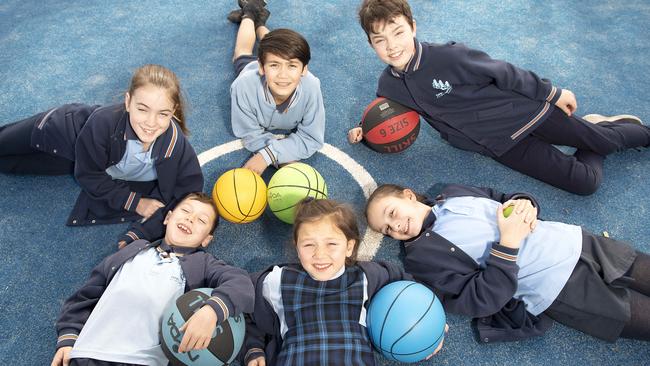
371, 240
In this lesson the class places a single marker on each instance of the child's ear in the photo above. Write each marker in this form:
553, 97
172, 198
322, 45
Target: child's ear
414, 28
409, 194
169, 213
260, 68
127, 100
350, 248
304, 70
207, 240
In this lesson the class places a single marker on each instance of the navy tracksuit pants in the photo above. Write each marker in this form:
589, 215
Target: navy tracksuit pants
18, 157
582, 172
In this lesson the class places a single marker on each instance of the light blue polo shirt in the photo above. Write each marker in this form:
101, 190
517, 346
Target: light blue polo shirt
136, 165
546, 257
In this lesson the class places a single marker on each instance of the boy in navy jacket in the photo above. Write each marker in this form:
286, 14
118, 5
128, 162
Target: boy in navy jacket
491, 106
115, 317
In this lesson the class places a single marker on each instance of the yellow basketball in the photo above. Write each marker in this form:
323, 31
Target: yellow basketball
240, 195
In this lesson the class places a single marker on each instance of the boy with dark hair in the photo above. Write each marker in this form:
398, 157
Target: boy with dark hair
114, 319
493, 107
273, 92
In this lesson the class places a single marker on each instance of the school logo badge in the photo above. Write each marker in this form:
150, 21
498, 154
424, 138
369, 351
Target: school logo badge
443, 86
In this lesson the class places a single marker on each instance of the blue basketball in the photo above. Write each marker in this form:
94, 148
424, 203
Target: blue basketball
406, 321
226, 340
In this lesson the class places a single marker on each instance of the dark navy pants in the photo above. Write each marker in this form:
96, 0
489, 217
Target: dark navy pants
18, 157
93, 362
582, 172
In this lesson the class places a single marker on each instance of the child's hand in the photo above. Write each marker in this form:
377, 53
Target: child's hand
256, 163
441, 343
62, 356
260, 361
198, 329
355, 135
518, 225
567, 102
148, 206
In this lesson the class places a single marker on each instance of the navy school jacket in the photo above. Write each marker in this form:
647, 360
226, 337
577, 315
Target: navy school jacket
263, 326
464, 288
475, 102
94, 138
232, 286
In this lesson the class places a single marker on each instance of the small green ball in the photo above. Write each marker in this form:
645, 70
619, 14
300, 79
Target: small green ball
508, 210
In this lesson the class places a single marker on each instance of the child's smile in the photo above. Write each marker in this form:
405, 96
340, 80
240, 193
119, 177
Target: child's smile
322, 249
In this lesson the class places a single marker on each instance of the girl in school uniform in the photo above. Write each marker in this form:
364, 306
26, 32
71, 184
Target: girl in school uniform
515, 274
132, 160
313, 312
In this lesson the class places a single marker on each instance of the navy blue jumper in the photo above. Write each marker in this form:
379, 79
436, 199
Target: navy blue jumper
507, 113
232, 286
94, 138
486, 292
263, 337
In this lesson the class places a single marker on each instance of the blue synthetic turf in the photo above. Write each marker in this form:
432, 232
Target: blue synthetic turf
53, 52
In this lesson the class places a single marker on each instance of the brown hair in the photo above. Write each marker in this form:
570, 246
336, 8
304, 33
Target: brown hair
162, 77
341, 214
204, 198
285, 43
375, 12
393, 190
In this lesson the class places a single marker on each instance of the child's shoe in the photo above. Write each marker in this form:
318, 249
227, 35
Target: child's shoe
598, 118
235, 16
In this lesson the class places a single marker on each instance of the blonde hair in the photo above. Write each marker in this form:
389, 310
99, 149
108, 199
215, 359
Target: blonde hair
164, 78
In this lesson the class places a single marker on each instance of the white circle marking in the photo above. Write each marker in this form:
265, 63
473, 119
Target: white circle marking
371, 239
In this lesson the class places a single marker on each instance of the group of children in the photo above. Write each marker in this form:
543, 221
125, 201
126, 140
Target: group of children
515, 274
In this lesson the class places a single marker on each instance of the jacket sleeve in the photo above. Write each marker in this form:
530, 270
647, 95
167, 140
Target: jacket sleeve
91, 160
380, 273
507, 76
475, 292
310, 133
233, 291
457, 190
244, 121
257, 341
77, 308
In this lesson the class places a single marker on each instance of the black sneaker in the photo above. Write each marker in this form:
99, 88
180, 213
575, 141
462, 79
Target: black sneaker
235, 16
242, 3
255, 10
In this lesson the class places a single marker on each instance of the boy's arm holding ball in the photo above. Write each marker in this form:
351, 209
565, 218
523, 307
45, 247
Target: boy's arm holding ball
198, 329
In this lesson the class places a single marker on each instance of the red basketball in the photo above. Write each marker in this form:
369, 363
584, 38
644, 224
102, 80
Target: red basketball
389, 127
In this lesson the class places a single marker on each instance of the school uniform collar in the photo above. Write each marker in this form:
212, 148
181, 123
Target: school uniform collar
129, 134
413, 64
163, 247
428, 222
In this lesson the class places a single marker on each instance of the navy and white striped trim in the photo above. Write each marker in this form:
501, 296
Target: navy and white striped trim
67, 337
503, 255
173, 141
129, 201
532, 122
253, 351
274, 160
551, 95
47, 115
222, 305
